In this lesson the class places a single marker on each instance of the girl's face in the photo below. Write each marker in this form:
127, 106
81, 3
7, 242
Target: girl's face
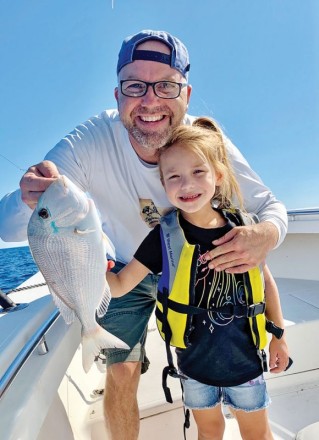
189, 180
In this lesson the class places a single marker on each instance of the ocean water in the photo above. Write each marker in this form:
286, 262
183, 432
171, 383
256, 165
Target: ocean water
16, 265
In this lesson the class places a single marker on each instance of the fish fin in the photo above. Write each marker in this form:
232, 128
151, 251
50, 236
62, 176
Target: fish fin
109, 247
106, 239
105, 301
67, 314
93, 343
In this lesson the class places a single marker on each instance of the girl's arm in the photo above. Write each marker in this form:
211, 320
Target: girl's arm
125, 280
278, 349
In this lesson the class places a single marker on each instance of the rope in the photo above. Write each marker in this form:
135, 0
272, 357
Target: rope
26, 287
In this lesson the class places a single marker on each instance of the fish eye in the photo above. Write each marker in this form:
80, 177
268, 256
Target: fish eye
43, 213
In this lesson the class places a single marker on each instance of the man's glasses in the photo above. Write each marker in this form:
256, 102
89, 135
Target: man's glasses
135, 88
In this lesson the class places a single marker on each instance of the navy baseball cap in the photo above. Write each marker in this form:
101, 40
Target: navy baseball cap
178, 59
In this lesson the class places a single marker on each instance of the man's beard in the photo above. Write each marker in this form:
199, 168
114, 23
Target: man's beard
146, 139
150, 140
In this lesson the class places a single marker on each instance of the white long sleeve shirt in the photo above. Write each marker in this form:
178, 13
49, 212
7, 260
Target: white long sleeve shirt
99, 158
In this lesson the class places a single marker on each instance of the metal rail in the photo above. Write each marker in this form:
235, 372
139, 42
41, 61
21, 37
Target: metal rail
307, 211
25, 353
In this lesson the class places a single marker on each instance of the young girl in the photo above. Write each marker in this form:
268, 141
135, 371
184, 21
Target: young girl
220, 362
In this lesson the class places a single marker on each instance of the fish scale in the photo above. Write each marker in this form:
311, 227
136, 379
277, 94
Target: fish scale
69, 247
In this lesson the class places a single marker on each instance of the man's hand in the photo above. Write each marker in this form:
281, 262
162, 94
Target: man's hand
36, 180
243, 248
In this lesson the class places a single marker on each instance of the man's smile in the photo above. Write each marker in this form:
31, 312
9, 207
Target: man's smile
152, 118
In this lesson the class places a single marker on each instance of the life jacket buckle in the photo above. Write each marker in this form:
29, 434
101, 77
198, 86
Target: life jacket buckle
263, 357
256, 309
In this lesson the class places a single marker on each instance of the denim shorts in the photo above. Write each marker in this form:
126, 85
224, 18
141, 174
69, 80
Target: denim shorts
249, 396
127, 318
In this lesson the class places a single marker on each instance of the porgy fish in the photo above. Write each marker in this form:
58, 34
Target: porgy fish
69, 248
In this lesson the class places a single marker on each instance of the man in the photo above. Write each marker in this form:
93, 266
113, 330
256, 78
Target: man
113, 157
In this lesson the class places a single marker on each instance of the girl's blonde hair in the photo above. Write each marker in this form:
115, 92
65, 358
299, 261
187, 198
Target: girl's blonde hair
205, 138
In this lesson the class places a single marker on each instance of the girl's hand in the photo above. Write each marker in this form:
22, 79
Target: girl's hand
278, 355
110, 265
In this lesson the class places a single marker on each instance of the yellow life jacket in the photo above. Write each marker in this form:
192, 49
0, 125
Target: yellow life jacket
175, 303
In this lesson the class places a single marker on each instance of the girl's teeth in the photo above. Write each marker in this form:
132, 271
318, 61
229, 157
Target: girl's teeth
190, 197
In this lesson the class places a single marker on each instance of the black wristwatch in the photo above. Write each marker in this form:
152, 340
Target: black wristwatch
274, 329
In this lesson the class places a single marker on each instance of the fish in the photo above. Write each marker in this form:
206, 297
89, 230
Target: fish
69, 247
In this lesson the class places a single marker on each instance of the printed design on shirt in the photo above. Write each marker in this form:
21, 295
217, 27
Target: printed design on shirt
216, 289
150, 213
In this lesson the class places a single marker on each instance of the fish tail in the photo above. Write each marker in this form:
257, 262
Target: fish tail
93, 343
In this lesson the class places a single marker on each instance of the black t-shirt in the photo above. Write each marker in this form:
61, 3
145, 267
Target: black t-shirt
222, 352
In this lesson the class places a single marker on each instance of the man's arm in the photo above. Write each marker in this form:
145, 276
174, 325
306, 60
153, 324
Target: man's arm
14, 217
247, 246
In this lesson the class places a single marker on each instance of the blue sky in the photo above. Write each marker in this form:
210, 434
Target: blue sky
254, 68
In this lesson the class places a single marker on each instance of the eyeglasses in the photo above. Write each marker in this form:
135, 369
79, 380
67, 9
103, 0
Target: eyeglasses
135, 88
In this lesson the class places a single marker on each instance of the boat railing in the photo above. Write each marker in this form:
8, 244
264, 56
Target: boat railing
36, 340
292, 213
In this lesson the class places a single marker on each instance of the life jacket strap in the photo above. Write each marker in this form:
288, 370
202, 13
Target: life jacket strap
170, 369
167, 391
187, 422
238, 310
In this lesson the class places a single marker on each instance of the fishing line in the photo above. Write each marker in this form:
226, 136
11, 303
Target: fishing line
12, 163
